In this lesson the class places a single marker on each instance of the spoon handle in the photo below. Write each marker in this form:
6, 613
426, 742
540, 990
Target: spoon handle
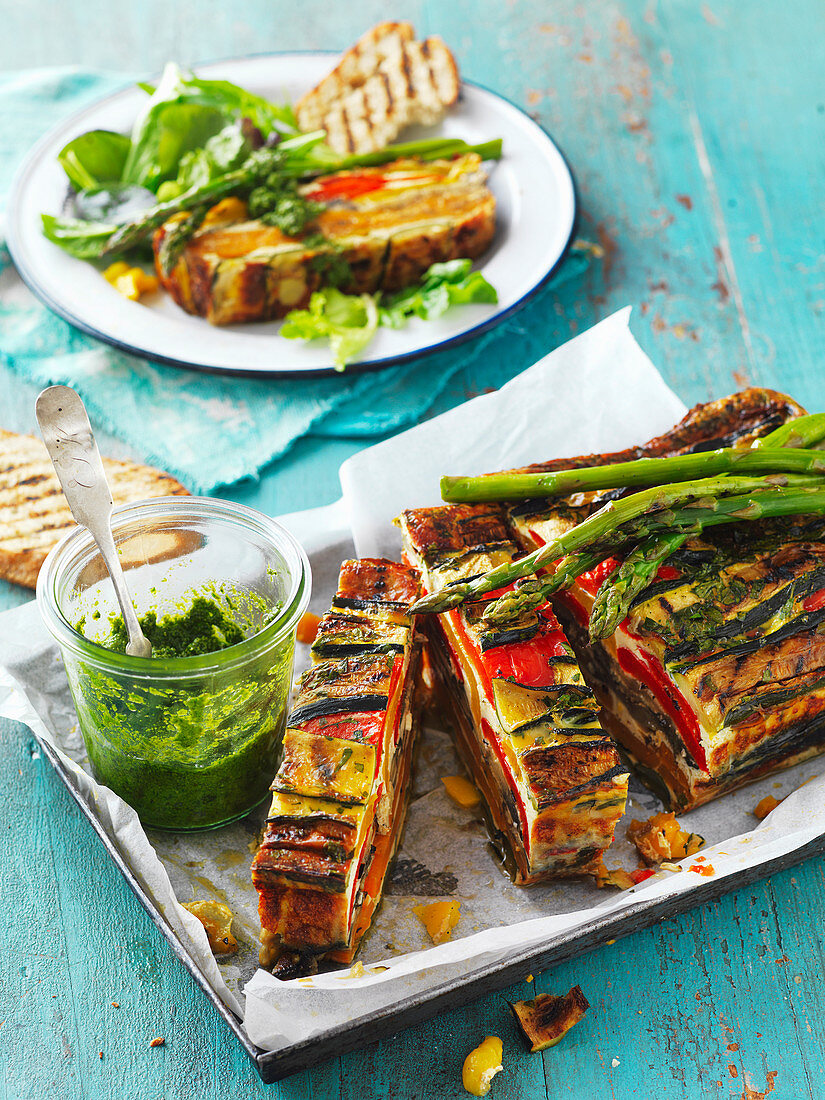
67, 433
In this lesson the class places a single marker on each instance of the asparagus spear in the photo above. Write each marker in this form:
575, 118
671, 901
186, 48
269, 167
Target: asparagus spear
177, 238
537, 590
642, 471
802, 431
254, 169
635, 517
639, 568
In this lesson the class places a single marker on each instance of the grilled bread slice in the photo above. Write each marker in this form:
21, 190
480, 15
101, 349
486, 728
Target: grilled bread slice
340, 795
34, 514
381, 43
717, 676
387, 224
523, 719
384, 83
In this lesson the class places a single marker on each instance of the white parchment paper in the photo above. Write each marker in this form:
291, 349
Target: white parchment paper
598, 392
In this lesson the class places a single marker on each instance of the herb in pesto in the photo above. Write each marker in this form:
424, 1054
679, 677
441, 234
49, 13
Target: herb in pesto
277, 201
203, 628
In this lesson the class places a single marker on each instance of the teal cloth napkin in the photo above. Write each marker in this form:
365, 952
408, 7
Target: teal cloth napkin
208, 430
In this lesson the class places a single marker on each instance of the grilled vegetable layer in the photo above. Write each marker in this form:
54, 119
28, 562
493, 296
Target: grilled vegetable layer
524, 720
717, 675
339, 797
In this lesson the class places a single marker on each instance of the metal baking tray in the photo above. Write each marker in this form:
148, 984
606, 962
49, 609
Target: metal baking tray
275, 1065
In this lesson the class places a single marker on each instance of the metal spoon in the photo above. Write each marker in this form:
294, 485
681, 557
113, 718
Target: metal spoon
67, 433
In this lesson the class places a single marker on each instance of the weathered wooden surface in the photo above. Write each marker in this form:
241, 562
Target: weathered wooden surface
696, 133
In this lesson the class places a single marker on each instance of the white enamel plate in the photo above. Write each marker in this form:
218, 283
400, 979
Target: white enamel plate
536, 214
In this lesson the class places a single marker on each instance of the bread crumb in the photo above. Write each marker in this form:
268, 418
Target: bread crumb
159, 1042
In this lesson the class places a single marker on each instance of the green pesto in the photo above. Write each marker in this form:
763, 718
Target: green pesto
203, 628
187, 752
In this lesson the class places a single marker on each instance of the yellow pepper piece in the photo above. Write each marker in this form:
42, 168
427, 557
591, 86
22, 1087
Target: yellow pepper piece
439, 919
147, 284
227, 210
127, 285
217, 920
461, 791
481, 1065
131, 282
765, 806
114, 271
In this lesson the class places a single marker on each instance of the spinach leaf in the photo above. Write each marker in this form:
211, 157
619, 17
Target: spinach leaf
82, 239
94, 158
181, 116
237, 102
161, 138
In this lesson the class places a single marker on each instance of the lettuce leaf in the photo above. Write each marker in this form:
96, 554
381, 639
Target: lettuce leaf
348, 321
444, 285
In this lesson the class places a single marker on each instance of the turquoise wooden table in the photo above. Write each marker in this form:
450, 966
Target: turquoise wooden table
697, 134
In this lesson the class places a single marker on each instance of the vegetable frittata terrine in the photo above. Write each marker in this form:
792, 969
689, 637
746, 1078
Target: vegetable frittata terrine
340, 795
387, 225
524, 721
717, 676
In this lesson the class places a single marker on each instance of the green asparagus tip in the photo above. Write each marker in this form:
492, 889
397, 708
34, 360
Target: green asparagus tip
437, 602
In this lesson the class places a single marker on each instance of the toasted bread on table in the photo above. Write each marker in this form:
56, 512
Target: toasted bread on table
34, 514
384, 83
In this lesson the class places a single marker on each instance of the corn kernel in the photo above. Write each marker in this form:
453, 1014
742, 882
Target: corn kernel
481, 1065
439, 919
461, 791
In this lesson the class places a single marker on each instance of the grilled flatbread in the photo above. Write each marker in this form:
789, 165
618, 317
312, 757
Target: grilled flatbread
34, 514
384, 83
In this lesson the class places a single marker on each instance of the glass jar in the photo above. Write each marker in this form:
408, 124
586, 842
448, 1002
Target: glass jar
189, 742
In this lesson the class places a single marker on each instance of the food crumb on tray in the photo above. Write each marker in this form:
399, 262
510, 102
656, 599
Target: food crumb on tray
439, 919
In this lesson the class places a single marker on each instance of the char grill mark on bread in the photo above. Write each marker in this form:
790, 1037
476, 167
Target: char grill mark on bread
34, 514
384, 83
